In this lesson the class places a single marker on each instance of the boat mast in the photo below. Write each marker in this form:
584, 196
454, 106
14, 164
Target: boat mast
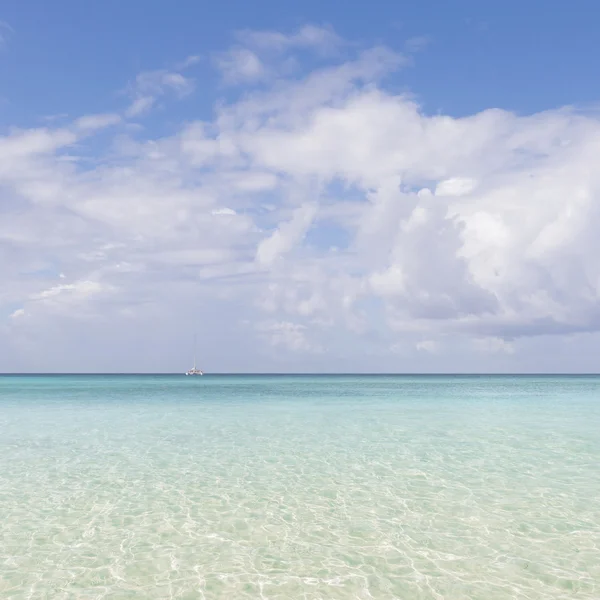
194, 352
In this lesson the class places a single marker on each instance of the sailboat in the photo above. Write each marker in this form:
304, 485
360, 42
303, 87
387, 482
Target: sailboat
194, 370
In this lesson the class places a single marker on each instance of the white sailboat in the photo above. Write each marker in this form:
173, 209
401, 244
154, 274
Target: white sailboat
194, 370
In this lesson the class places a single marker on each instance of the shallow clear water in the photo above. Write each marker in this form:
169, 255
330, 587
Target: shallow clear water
300, 487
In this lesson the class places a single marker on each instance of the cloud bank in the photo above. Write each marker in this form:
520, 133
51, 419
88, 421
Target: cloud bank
315, 221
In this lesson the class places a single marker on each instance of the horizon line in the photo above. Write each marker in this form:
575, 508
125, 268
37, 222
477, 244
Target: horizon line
303, 373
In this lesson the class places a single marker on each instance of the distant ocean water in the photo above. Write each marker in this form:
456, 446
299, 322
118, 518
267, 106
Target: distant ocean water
367, 487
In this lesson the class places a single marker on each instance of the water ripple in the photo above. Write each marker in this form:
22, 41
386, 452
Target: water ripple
379, 491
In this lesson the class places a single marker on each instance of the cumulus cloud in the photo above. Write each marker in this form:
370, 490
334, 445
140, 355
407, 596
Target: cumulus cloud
324, 202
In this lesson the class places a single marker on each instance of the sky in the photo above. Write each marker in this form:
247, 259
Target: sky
315, 187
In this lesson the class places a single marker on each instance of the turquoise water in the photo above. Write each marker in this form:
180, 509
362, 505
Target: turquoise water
300, 487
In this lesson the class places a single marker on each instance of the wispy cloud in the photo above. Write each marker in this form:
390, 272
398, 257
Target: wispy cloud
240, 65
308, 36
290, 336
417, 43
286, 236
260, 55
93, 122
6, 32
429, 346
149, 86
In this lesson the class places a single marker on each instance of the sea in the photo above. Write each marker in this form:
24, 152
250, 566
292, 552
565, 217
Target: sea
300, 487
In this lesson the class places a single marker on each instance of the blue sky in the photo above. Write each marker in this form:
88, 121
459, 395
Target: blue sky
522, 56
363, 187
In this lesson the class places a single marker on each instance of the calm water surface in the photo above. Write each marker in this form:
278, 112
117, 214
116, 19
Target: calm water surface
300, 487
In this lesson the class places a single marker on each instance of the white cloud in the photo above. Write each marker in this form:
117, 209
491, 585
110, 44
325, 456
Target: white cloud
156, 82
308, 36
92, 122
188, 62
149, 86
233, 217
493, 345
291, 336
429, 346
286, 236
21, 144
223, 211
241, 65
388, 283
260, 55
455, 186
73, 302
140, 105
80, 289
